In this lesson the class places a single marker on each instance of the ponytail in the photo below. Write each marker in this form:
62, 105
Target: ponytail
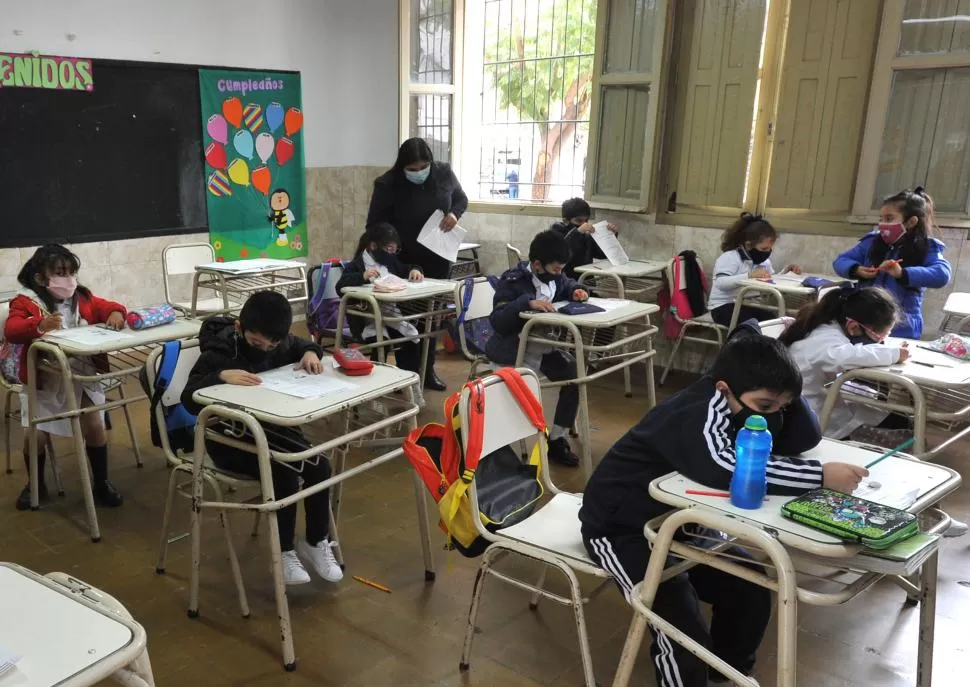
872, 307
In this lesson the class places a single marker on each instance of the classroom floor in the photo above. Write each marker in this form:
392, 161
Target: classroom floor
350, 634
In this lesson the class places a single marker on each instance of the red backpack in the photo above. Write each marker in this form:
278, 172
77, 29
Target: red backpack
675, 298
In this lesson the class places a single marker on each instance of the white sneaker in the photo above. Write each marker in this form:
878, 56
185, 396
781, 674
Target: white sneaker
957, 528
321, 559
293, 570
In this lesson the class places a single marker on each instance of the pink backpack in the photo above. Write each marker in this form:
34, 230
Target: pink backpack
675, 298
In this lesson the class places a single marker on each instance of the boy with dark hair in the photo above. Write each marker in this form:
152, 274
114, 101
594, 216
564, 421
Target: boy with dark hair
537, 287
235, 351
693, 432
575, 227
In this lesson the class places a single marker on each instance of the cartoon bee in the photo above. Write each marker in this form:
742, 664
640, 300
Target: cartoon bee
281, 217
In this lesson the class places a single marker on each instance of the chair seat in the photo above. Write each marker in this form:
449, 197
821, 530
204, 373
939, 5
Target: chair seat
706, 320
555, 528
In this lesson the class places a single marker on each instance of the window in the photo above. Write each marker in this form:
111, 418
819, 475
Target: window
918, 124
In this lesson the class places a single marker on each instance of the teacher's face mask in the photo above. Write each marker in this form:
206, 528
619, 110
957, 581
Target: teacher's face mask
417, 176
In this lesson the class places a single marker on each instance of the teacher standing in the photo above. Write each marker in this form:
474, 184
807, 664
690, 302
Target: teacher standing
406, 196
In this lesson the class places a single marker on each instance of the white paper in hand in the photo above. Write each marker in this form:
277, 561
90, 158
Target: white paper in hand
444, 243
609, 244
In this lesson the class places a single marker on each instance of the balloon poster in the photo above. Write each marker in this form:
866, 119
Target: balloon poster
252, 142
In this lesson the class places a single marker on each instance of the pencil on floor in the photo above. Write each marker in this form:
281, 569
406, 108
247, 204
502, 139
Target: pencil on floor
372, 584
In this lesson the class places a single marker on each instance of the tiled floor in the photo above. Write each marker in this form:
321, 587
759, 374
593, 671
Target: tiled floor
351, 634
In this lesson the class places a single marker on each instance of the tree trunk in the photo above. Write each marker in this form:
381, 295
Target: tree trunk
551, 137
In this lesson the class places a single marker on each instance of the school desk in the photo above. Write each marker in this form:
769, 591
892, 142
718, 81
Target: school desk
629, 281
613, 340
67, 633
468, 263
956, 313
52, 354
378, 401
423, 304
235, 281
930, 387
789, 546
785, 289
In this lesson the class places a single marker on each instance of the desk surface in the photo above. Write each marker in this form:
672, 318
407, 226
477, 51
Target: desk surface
56, 635
415, 290
957, 304
628, 311
468, 246
278, 408
173, 331
634, 268
893, 474
789, 283
250, 267
947, 371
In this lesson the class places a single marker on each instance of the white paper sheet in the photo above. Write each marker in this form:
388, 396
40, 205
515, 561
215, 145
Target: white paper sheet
89, 336
302, 384
444, 243
256, 265
609, 244
8, 660
609, 303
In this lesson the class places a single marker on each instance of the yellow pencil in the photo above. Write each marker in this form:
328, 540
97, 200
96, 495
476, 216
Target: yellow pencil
372, 584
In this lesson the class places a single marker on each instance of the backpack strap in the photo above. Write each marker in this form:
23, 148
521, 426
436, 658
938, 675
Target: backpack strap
466, 299
166, 370
524, 396
475, 431
321, 287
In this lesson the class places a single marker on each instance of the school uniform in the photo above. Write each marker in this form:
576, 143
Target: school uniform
909, 288
583, 248
692, 432
825, 354
730, 269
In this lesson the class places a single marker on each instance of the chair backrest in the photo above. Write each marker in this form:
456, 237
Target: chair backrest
775, 327
505, 422
682, 284
188, 355
513, 254
482, 299
182, 258
480, 304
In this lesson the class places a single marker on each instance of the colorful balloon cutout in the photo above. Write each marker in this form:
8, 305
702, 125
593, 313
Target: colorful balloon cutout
239, 172
215, 155
262, 179
293, 121
253, 117
216, 126
264, 146
274, 116
284, 151
219, 184
243, 143
232, 110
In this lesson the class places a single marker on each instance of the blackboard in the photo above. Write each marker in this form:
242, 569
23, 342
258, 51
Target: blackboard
122, 161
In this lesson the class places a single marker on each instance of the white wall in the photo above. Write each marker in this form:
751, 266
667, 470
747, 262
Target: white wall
346, 50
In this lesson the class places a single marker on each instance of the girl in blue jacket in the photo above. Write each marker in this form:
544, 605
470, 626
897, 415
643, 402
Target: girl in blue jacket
902, 256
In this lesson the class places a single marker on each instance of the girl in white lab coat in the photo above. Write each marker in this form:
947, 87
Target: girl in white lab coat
843, 331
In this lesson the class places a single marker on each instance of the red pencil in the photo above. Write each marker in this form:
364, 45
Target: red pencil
698, 492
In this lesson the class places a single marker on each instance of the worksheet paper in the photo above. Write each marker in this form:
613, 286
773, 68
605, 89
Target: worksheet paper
302, 384
89, 336
606, 303
609, 244
444, 243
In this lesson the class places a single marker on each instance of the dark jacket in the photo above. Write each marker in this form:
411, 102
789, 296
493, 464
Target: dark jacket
221, 350
583, 248
933, 273
512, 295
408, 206
353, 275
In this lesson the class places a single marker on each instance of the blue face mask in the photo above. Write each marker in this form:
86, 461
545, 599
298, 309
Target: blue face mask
418, 177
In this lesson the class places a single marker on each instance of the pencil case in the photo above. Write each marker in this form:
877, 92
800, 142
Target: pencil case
952, 345
151, 316
577, 308
352, 362
852, 519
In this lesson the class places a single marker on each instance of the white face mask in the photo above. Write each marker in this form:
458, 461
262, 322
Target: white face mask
418, 177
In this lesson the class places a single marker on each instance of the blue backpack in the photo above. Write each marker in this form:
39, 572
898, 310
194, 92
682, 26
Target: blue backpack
324, 309
179, 422
477, 331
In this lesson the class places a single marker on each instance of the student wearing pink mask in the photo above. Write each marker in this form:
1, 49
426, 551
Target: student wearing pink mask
901, 255
52, 299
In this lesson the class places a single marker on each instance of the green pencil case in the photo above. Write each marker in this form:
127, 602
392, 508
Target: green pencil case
853, 519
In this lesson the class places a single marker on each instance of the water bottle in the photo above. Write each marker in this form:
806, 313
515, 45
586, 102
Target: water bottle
752, 449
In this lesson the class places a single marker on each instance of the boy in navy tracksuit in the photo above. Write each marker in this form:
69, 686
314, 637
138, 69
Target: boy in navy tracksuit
537, 286
693, 432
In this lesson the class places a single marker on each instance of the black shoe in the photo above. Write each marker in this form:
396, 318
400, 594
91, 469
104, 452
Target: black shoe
560, 452
106, 495
433, 382
23, 501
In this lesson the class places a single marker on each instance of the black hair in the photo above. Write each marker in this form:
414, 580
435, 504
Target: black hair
47, 259
747, 228
411, 151
874, 307
267, 313
380, 233
548, 247
575, 207
912, 246
754, 361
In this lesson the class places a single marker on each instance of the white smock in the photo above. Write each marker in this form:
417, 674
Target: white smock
406, 329
534, 350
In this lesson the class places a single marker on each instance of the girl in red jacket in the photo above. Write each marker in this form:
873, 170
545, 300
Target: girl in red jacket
52, 299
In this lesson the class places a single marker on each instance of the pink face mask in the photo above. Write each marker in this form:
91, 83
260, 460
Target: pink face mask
62, 288
890, 233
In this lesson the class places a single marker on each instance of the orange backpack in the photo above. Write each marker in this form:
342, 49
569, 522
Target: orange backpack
508, 489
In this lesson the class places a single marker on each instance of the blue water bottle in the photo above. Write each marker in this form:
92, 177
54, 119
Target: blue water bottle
752, 448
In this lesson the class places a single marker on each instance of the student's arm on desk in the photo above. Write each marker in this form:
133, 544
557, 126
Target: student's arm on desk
297, 347
849, 355
23, 321
506, 307
353, 275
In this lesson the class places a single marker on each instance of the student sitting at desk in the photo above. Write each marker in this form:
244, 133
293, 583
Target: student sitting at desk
376, 257
52, 299
235, 351
578, 232
693, 432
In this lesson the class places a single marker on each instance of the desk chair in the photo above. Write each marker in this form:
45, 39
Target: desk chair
702, 322
775, 327
474, 315
550, 536
513, 254
182, 259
